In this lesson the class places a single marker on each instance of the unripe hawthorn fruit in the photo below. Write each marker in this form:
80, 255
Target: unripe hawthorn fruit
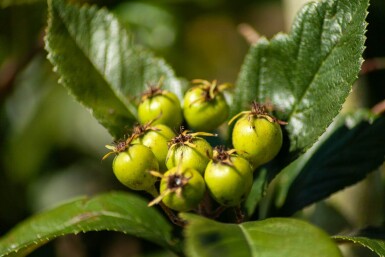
188, 150
133, 165
161, 107
181, 189
257, 135
204, 106
155, 137
228, 177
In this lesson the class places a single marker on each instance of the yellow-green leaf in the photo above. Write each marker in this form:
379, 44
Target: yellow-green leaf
267, 238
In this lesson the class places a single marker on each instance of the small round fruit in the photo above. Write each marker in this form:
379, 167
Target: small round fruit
132, 167
183, 189
156, 138
257, 136
161, 107
205, 107
228, 178
187, 150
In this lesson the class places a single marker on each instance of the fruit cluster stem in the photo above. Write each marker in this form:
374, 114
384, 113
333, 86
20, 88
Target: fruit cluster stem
170, 214
240, 216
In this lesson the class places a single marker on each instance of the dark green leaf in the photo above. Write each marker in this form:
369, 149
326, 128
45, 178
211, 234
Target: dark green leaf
375, 245
288, 175
307, 74
267, 238
345, 158
97, 62
112, 211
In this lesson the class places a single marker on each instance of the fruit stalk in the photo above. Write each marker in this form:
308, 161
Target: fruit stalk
170, 214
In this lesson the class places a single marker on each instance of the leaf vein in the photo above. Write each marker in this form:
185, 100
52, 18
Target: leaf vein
249, 240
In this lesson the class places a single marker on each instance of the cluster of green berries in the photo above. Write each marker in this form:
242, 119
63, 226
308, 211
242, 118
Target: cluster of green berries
186, 164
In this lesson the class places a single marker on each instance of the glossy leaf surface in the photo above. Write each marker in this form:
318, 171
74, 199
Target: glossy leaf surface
266, 238
97, 61
111, 211
308, 73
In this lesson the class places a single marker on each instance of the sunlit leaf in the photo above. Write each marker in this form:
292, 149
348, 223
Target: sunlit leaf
96, 60
270, 237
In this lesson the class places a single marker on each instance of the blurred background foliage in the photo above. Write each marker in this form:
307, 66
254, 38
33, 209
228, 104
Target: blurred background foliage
51, 147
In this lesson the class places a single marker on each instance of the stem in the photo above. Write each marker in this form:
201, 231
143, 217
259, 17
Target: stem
171, 215
204, 207
240, 216
379, 108
373, 64
249, 33
218, 212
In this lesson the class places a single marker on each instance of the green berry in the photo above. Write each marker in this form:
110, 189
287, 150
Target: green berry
205, 107
257, 136
156, 138
160, 107
132, 167
228, 177
182, 189
188, 150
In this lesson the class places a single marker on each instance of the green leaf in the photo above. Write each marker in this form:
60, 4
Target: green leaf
345, 158
111, 211
290, 172
97, 62
266, 238
307, 74
256, 192
375, 245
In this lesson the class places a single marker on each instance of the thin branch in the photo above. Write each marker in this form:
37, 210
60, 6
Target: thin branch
379, 108
372, 64
249, 33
